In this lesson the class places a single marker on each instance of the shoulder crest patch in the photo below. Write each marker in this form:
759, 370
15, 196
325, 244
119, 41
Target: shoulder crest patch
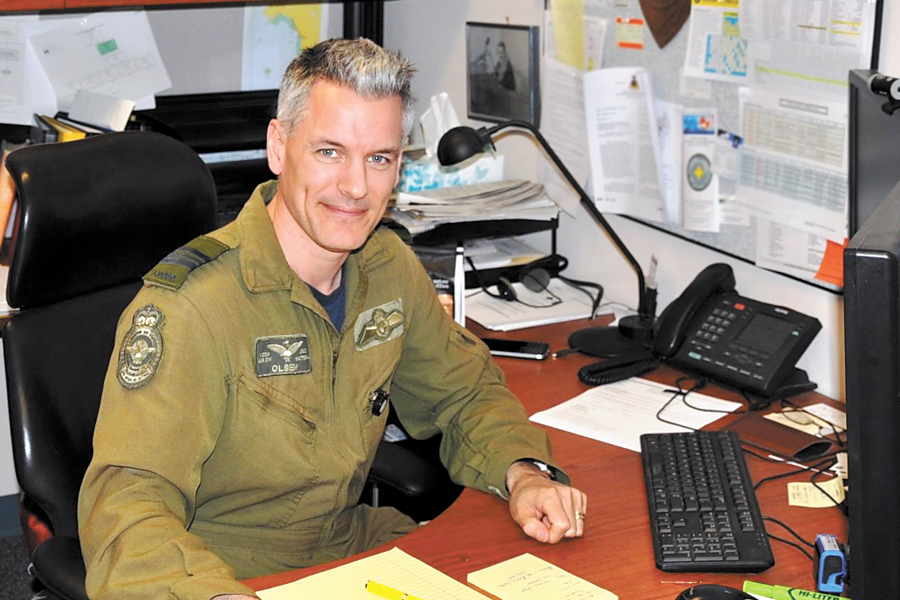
142, 348
172, 271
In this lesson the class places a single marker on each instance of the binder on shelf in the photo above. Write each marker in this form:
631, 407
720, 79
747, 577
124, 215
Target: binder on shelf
85, 127
43, 132
65, 132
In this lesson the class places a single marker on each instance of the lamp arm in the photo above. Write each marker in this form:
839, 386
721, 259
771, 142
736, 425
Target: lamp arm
586, 201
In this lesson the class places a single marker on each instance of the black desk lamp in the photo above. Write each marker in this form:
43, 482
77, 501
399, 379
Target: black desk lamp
460, 143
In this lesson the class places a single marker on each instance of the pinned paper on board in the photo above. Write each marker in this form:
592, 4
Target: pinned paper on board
112, 53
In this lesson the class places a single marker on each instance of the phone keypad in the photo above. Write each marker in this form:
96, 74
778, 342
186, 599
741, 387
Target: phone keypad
740, 359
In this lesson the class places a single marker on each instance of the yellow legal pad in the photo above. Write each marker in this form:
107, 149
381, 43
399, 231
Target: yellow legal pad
394, 568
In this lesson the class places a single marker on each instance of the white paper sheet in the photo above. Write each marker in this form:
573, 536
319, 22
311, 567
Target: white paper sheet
24, 88
12, 74
112, 53
788, 250
501, 315
623, 140
620, 412
793, 166
807, 44
562, 125
669, 118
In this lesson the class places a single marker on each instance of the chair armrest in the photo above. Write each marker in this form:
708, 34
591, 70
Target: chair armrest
410, 477
58, 564
407, 470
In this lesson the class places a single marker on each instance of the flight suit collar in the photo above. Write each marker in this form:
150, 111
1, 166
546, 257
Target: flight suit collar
264, 267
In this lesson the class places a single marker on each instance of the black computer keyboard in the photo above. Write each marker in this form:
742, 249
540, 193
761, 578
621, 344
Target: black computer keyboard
703, 510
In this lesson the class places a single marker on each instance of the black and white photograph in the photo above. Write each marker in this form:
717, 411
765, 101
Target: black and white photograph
502, 72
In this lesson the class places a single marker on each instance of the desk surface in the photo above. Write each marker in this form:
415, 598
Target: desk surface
616, 551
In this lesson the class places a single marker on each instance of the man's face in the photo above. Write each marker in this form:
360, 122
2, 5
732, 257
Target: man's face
336, 172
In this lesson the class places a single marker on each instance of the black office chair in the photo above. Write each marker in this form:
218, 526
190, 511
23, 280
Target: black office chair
93, 216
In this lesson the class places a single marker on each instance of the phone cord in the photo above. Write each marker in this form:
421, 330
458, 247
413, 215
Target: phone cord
617, 369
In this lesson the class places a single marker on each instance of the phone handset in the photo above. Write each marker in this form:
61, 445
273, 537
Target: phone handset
670, 331
672, 325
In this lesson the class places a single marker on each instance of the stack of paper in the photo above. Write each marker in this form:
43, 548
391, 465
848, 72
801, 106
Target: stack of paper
557, 303
511, 199
503, 252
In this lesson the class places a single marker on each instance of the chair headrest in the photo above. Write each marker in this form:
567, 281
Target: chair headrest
102, 211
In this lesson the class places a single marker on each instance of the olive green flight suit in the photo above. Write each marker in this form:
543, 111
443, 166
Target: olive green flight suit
236, 428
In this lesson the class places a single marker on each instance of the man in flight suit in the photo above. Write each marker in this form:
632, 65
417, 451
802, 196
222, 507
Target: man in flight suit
243, 406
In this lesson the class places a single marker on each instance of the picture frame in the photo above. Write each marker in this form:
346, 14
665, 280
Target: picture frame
502, 72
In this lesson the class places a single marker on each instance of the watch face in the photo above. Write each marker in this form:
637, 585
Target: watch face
544, 468
699, 172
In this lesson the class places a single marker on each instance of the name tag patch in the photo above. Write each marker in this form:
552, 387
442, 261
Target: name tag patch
378, 325
282, 355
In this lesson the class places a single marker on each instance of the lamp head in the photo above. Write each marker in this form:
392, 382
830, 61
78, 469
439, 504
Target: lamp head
461, 143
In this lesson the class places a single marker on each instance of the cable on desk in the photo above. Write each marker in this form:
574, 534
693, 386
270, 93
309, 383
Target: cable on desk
791, 531
790, 543
842, 506
829, 462
699, 384
836, 429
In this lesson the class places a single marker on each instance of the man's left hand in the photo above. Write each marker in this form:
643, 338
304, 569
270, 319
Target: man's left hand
546, 510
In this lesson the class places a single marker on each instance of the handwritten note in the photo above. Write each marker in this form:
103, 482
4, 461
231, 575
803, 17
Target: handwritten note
528, 577
809, 496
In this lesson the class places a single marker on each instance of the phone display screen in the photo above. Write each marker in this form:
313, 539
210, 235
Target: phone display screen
765, 332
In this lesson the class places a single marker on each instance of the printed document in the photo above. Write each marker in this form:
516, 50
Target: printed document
793, 166
716, 50
562, 125
623, 140
557, 303
804, 44
618, 413
112, 53
787, 250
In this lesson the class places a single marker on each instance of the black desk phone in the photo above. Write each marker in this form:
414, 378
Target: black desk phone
711, 330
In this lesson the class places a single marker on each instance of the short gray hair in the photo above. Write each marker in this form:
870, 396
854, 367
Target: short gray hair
359, 65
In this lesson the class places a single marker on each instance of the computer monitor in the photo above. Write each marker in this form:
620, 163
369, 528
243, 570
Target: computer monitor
874, 144
872, 360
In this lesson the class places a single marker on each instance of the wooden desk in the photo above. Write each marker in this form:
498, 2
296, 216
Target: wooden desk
616, 551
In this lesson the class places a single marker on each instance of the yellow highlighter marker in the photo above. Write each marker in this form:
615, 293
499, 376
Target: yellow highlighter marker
388, 592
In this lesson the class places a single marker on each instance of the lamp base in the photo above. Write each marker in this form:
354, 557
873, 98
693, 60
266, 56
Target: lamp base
633, 335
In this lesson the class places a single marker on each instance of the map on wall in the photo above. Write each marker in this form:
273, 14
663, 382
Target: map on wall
273, 36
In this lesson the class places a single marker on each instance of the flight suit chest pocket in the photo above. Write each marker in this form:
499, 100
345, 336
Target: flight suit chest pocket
272, 403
